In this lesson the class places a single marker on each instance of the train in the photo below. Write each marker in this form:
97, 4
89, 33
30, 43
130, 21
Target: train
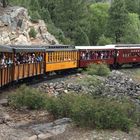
18, 62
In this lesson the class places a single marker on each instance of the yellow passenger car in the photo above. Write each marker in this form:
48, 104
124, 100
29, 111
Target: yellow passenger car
26, 63
61, 57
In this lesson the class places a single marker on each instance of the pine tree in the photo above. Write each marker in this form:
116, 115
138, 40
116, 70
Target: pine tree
118, 17
69, 16
133, 5
81, 38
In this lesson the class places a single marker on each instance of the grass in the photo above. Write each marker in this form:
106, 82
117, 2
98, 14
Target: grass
98, 69
136, 74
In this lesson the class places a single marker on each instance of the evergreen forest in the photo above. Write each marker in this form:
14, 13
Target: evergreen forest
87, 22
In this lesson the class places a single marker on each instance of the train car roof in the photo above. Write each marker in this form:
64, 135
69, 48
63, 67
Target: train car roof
55, 47
127, 46
26, 48
95, 47
59, 47
5, 48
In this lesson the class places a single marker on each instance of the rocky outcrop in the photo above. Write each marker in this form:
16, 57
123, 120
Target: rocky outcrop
61, 87
120, 85
117, 85
15, 25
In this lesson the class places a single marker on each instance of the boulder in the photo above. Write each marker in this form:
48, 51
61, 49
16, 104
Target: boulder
4, 102
4, 118
22, 40
53, 128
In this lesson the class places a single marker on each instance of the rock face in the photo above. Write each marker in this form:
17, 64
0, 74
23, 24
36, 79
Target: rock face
15, 25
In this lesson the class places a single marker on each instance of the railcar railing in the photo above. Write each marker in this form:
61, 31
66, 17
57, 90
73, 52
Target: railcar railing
26, 70
6, 75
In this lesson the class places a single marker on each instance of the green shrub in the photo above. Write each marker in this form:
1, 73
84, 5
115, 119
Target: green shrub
97, 113
84, 110
32, 32
35, 16
61, 106
27, 97
98, 69
88, 112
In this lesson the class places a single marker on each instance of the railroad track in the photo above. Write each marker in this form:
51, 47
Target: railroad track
50, 77
37, 80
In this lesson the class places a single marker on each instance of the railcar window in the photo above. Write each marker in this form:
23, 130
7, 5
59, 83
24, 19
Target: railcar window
62, 56
52, 56
65, 55
58, 56
72, 56
68, 55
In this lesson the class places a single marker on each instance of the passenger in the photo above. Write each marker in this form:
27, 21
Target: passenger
105, 55
9, 62
24, 58
93, 55
96, 55
102, 55
33, 58
40, 58
29, 58
21, 58
18, 59
3, 61
83, 55
108, 54
89, 56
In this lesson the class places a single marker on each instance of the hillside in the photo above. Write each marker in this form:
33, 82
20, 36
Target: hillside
15, 25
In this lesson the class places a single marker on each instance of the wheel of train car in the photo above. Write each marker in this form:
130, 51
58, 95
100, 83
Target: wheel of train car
118, 66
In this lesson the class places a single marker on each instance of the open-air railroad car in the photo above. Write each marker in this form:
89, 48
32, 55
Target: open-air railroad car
19, 62
96, 54
25, 61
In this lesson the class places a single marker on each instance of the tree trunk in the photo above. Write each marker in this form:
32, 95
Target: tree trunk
4, 3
